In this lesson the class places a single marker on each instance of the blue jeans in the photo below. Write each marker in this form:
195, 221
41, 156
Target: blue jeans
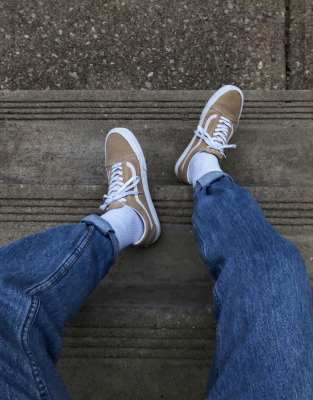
262, 300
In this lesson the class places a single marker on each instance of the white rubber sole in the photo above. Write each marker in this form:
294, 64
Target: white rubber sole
220, 92
135, 145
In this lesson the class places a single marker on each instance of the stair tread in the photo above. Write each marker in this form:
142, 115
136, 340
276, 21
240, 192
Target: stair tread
154, 310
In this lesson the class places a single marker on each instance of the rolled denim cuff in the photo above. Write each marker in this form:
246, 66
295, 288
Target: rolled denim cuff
105, 228
209, 178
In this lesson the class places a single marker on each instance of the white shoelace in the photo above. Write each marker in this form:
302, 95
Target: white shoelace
218, 140
117, 188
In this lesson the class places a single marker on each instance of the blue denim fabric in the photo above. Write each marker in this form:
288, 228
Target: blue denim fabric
262, 298
44, 279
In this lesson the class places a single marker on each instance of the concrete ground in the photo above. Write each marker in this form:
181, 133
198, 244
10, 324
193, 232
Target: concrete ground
155, 44
148, 330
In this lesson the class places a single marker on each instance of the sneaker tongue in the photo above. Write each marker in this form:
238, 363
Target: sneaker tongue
225, 110
210, 126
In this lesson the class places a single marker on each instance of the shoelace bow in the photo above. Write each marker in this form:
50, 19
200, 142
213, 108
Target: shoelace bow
218, 140
117, 188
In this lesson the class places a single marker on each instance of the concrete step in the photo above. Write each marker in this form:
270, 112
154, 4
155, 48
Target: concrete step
148, 330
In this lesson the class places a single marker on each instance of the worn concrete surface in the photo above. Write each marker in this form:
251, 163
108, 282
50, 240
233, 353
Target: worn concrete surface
149, 44
51, 137
148, 330
300, 46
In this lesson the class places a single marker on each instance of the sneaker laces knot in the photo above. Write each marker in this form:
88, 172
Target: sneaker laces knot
117, 188
219, 139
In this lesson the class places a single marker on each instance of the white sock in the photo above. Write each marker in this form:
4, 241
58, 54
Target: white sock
201, 164
127, 225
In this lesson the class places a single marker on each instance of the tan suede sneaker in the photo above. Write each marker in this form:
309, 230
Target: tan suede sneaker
217, 123
128, 183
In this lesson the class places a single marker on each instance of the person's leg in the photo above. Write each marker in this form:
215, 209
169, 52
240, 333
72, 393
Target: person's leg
262, 295
45, 278
262, 298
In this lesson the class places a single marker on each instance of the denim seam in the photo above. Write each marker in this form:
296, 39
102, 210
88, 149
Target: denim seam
30, 318
49, 282
201, 243
64, 267
9, 392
